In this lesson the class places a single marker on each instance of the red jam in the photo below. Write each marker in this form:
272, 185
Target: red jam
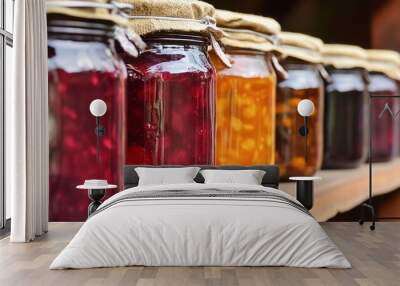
83, 68
385, 124
170, 102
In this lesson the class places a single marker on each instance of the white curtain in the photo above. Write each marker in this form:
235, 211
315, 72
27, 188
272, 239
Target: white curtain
26, 124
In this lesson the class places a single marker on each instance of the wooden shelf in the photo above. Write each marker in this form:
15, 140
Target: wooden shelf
341, 190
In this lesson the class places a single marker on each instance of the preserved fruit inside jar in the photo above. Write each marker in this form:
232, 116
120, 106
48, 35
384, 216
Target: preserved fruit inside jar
82, 67
245, 109
170, 101
303, 82
346, 119
385, 126
299, 153
384, 71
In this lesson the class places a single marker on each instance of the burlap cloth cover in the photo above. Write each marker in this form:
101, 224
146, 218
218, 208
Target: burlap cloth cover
344, 56
103, 10
248, 31
189, 16
149, 16
384, 61
300, 46
106, 11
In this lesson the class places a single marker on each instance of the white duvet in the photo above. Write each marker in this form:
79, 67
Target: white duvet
200, 231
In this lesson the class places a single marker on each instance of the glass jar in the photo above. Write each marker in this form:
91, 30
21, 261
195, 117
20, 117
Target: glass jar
385, 125
170, 101
245, 108
345, 119
303, 82
83, 66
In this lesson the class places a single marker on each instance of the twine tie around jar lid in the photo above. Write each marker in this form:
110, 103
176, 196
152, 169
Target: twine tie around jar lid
279, 69
272, 39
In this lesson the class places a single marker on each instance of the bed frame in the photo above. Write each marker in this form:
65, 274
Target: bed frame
270, 179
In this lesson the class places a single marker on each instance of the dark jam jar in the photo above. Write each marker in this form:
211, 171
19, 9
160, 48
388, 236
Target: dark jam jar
83, 66
385, 126
346, 118
170, 101
303, 82
384, 71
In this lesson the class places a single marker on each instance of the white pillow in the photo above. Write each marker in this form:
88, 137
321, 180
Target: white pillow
248, 177
166, 176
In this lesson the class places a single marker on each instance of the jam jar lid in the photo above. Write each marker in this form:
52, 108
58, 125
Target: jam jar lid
300, 46
344, 56
152, 16
236, 20
246, 31
384, 61
102, 10
96, 17
185, 16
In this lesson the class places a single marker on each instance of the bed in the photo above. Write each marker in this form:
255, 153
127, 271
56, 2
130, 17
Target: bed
198, 224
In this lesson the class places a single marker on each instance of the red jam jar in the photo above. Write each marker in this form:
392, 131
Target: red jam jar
170, 92
346, 107
170, 101
301, 59
383, 67
83, 66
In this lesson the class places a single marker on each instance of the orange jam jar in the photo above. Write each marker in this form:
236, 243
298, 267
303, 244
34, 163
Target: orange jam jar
301, 59
245, 101
245, 109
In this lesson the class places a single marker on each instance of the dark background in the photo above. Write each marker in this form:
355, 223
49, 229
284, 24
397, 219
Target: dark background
367, 23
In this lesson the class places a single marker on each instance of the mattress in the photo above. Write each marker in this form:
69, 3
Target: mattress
201, 225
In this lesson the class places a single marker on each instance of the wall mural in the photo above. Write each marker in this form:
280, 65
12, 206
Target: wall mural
181, 104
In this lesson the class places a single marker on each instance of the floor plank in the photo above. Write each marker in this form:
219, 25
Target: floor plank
375, 257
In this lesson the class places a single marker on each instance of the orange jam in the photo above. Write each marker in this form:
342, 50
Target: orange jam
245, 109
303, 82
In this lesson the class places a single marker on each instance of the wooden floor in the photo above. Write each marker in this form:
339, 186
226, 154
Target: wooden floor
375, 257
